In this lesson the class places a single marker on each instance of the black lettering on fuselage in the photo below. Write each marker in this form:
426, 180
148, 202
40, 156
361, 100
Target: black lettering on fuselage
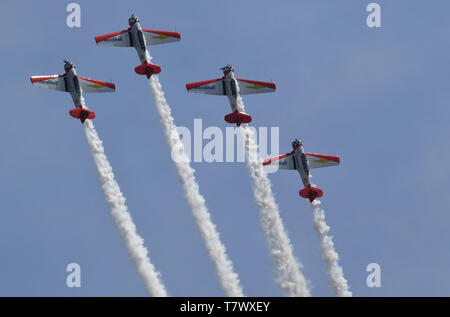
233, 87
305, 163
224, 88
130, 35
140, 37
76, 84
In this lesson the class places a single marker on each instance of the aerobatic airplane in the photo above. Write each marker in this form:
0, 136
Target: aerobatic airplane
75, 85
137, 37
301, 161
231, 87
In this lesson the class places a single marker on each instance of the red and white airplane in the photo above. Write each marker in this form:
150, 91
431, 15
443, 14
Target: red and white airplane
301, 161
137, 37
75, 85
231, 87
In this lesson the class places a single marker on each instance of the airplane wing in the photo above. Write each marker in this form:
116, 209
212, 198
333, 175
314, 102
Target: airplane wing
247, 87
55, 82
320, 160
285, 161
119, 39
92, 85
153, 37
209, 87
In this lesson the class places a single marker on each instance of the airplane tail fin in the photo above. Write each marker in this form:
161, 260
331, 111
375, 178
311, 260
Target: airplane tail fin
82, 114
311, 193
147, 69
238, 118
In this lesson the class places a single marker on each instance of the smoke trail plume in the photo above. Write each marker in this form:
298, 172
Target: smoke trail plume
290, 278
338, 283
121, 215
228, 279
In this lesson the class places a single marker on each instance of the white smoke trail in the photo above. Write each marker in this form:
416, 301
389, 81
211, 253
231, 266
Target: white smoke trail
121, 215
290, 278
228, 279
338, 283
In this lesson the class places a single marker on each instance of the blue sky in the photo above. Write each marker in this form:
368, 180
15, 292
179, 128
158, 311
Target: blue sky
378, 98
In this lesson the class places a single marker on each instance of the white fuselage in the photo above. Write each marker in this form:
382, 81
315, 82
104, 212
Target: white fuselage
301, 164
231, 89
73, 87
138, 41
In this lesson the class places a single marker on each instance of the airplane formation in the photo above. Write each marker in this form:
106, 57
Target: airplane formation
228, 85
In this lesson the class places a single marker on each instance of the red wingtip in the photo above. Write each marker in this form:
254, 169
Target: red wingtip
260, 83
168, 33
190, 86
327, 157
103, 37
267, 161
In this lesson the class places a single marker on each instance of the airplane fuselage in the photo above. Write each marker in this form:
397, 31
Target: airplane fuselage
230, 89
73, 87
137, 40
301, 164
301, 161
73, 84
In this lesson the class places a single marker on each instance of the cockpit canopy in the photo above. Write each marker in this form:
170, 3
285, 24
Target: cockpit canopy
227, 68
132, 20
68, 65
296, 143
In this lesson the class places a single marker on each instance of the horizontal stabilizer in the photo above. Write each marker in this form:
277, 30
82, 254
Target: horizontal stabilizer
82, 114
311, 193
147, 69
238, 118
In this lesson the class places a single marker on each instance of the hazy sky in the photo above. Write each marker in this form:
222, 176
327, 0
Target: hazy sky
378, 98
